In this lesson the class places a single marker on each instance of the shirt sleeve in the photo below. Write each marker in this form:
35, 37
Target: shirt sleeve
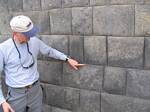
2, 99
51, 52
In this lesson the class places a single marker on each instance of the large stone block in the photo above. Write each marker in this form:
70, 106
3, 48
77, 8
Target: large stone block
125, 52
89, 101
89, 77
113, 20
60, 21
76, 47
4, 23
40, 19
124, 2
50, 72
115, 80
15, 5
54, 95
82, 20
73, 3
117, 103
50, 4
71, 98
99, 2
142, 20
146, 1
3, 6
147, 52
46, 108
138, 83
55, 109
95, 49
29, 5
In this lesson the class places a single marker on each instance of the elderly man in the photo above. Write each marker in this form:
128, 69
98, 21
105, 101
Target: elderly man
18, 59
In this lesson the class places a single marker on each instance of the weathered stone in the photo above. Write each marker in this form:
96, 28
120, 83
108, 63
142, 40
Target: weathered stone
72, 3
50, 72
29, 5
142, 20
15, 5
117, 103
147, 52
146, 1
71, 98
126, 2
60, 21
115, 80
54, 95
3, 6
4, 23
138, 83
89, 77
76, 47
113, 20
125, 52
82, 20
46, 108
89, 101
99, 2
95, 49
55, 109
50, 4
4, 37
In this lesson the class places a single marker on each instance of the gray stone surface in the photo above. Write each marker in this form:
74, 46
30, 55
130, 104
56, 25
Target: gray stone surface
29, 5
46, 108
147, 52
95, 49
89, 77
82, 20
4, 37
123, 2
99, 2
113, 20
76, 47
115, 80
125, 52
60, 21
50, 72
3, 6
55, 109
54, 95
89, 101
15, 5
142, 20
73, 3
50, 4
138, 83
146, 1
71, 98
117, 103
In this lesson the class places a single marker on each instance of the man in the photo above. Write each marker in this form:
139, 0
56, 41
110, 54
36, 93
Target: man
18, 59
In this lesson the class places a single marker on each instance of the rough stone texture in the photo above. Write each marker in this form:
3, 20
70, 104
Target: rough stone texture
46, 108
89, 77
73, 3
125, 52
95, 49
76, 47
3, 6
115, 80
82, 20
142, 20
116, 103
127, 2
54, 95
15, 5
71, 98
146, 1
50, 72
31, 5
98, 2
113, 20
54, 109
89, 101
50, 4
60, 21
147, 53
138, 83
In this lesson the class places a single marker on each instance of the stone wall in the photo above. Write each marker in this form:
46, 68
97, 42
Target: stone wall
110, 36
